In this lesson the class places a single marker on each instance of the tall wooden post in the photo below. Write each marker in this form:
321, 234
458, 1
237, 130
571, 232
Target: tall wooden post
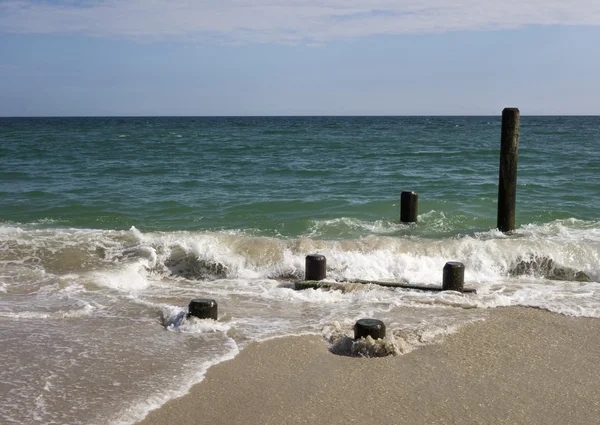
409, 207
507, 183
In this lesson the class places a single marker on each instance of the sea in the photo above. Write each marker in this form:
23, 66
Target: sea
110, 226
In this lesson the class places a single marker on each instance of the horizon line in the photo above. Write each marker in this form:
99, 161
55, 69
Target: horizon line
295, 116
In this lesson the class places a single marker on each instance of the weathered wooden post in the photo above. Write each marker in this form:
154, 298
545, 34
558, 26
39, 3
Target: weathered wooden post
453, 276
507, 182
203, 308
369, 327
409, 207
315, 267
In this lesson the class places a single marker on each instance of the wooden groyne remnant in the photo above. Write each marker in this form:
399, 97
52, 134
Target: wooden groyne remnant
409, 207
507, 181
315, 267
507, 177
316, 272
369, 327
453, 272
203, 308
453, 277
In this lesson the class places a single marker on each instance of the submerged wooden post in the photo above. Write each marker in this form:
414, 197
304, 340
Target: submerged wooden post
369, 327
315, 267
203, 308
507, 182
409, 207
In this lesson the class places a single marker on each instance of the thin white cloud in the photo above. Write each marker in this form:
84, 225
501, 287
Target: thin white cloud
305, 21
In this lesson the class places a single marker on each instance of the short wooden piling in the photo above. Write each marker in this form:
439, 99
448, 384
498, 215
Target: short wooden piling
315, 267
203, 308
409, 207
507, 182
454, 276
369, 327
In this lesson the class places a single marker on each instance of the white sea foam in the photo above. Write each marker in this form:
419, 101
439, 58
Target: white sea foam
488, 257
176, 319
24, 315
134, 257
140, 408
86, 310
130, 278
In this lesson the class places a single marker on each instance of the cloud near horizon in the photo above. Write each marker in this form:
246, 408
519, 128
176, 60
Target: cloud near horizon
284, 21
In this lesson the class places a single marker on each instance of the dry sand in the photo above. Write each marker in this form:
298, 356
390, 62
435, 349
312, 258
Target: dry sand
519, 366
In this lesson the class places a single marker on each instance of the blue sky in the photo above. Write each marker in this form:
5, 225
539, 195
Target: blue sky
298, 57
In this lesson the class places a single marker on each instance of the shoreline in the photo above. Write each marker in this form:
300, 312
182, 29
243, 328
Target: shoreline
520, 365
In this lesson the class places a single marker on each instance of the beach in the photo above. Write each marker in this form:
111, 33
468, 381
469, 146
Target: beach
102, 250
201, 201
518, 366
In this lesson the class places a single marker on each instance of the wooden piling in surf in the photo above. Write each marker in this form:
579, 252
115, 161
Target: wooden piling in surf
409, 207
315, 267
453, 278
369, 327
507, 182
203, 308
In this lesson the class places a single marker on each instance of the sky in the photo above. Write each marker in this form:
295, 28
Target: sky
298, 57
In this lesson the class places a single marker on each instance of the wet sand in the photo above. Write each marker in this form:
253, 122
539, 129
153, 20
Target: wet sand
519, 366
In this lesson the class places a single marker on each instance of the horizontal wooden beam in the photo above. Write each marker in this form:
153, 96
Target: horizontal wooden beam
314, 284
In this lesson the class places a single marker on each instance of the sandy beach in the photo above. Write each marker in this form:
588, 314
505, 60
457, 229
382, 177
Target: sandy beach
519, 366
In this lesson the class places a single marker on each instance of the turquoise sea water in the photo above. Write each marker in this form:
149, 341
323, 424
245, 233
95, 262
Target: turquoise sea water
277, 176
109, 226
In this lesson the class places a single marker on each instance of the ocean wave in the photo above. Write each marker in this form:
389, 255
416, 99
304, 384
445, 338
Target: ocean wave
133, 261
488, 256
